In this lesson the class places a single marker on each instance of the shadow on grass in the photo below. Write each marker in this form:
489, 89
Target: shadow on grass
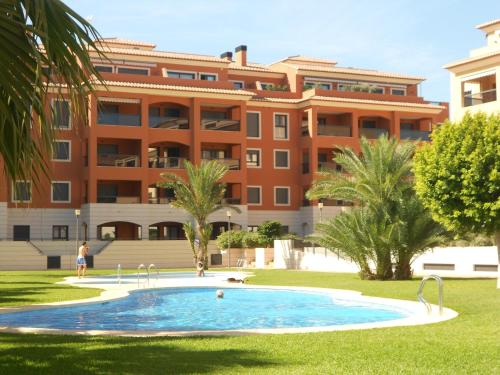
26, 354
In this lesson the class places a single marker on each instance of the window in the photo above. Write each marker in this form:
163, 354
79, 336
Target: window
325, 86
401, 92
282, 195
377, 90
208, 77
281, 159
320, 85
253, 195
61, 151
21, 191
280, 126
266, 86
369, 124
61, 192
238, 85
181, 75
253, 124
103, 68
21, 232
62, 118
253, 158
142, 72
406, 126
60, 232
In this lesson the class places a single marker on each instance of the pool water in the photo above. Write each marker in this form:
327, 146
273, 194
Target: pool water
198, 309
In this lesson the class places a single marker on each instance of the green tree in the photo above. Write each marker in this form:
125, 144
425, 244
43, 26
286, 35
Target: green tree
201, 195
231, 238
458, 175
40, 40
268, 232
390, 224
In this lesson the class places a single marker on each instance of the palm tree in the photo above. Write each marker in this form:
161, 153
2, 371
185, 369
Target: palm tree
391, 223
201, 195
40, 41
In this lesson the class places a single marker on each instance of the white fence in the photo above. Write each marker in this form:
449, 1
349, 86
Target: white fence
448, 262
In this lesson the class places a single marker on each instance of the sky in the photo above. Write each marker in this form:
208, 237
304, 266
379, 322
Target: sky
414, 37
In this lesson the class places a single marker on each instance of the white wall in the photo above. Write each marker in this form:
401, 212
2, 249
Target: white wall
462, 258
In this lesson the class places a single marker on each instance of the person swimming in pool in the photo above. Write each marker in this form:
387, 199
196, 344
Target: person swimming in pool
81, 263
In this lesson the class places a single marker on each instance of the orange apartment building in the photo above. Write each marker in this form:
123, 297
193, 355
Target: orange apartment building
273, 125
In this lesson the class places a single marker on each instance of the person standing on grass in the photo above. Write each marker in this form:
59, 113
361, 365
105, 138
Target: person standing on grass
81, 263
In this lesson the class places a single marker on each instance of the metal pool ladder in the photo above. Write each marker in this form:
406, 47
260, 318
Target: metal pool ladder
119, 273
152, 266
142, 266
240, 264
421, 298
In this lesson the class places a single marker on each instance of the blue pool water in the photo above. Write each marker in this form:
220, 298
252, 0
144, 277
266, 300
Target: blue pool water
197, 309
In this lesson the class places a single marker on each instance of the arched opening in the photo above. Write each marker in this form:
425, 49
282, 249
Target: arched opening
167, 155
119, 230
219, 227
166, 230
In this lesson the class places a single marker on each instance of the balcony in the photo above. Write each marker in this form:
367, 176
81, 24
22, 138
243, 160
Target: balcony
480, 97
232, 164
120, 119
327, 165
118, 160
223, 125
334, 130
118, 199
166, 122
166, 162
415, 135
373, 133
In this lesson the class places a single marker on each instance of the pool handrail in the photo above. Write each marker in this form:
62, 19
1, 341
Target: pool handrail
139, 267
119, 273
421, 298
156, 270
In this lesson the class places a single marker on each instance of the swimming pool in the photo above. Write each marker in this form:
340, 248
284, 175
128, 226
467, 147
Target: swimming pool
196, 309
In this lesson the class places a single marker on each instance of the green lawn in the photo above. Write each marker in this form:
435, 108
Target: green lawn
469, 344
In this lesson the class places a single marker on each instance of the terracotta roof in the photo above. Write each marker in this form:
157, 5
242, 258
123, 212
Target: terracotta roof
306, 59
471, 59
178, 87
489, 23
320, 68
171, 55
251, 66
126, 41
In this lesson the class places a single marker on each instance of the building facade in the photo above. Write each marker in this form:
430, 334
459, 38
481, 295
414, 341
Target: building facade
474, 80
273, 125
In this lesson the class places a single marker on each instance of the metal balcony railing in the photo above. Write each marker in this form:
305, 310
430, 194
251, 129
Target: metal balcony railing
118, 119
232, 164
167, 162
165, 122
415, 134
117, 199
480, 97
334, 130
118, 160
373, 133
224, 125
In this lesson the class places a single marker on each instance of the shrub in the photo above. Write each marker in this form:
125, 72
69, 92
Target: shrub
231, 238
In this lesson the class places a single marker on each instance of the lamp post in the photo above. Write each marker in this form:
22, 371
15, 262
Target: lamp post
77, 215
228, 214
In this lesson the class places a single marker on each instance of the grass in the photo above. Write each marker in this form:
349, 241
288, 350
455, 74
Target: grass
469, 344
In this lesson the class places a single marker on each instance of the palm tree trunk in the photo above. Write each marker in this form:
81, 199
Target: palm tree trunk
403, 269
384, 266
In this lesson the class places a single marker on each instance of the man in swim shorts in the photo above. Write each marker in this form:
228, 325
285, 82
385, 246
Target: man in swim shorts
81, 263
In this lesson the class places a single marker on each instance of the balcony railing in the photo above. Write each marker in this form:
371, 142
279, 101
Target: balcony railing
118, 160
160, 200
118, 119
373, 133
415, 134
480, 97
232, 164
164, 122
327, 165
231, 200
118, 199
224, 125
167, 163
334, 130
304, 131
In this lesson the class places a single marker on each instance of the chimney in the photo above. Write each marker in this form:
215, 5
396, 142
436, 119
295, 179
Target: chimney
227, 56
241, 55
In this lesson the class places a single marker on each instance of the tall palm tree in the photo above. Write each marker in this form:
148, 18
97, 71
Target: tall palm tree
201, 195
43, 50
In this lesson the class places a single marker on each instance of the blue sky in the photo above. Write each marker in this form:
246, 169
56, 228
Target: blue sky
412, 37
